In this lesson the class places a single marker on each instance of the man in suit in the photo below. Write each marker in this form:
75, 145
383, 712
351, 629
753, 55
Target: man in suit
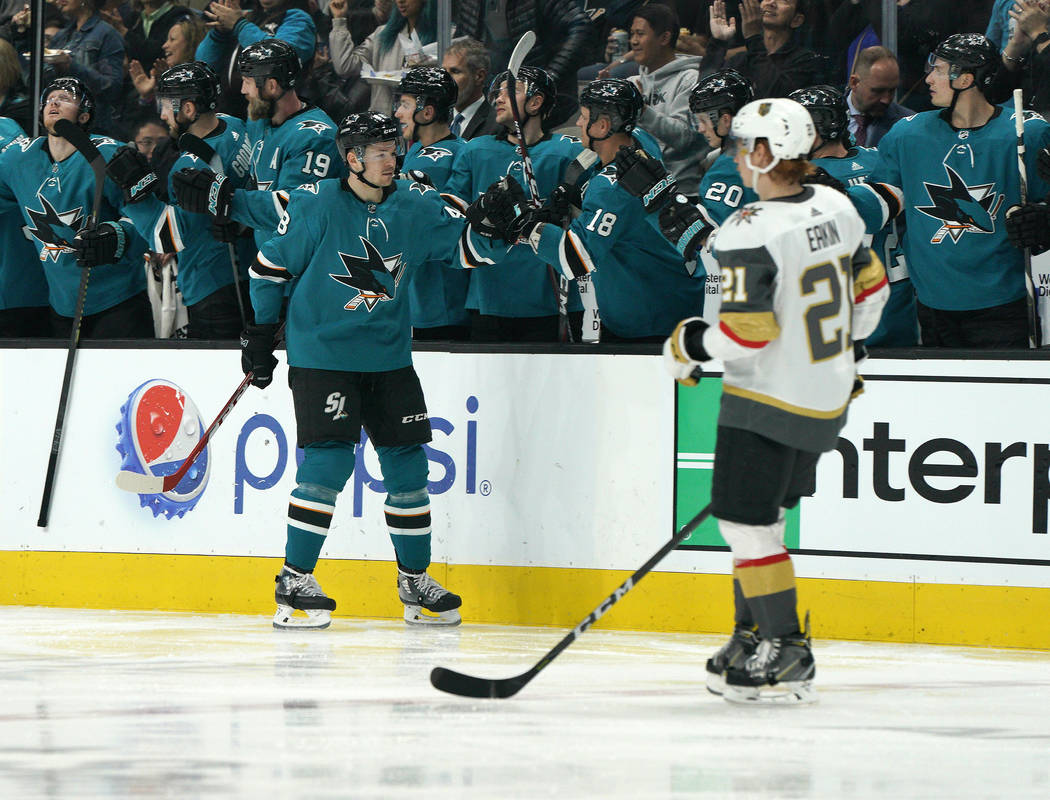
467, 61
872, 85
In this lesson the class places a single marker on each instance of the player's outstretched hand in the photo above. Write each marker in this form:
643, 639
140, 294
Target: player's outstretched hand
103, 243
1029, 226
684, 350
131, 171
1042, 164
644, 177
502, 212
686, 226
226, 230
257, 346
417, 176
822, 177
201, 191
565, 204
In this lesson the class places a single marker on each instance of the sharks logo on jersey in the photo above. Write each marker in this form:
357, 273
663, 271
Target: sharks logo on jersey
422, 188
315, 125
961, 208
365, 275
55, 230
435, 153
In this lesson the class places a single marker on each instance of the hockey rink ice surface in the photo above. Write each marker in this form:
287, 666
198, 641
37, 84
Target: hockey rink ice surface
114, 704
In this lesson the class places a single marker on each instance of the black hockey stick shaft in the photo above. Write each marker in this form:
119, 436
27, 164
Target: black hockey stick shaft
1034, 323
196, 146
82, 142
453, 682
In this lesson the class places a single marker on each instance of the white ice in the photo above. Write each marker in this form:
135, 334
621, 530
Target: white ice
107, 704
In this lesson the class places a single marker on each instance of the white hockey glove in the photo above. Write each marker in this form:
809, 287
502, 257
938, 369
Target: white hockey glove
684, 351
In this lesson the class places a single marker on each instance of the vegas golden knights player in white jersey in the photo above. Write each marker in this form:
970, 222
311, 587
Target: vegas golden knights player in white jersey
798, 290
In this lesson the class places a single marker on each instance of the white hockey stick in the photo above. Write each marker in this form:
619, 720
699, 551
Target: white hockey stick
1034, 323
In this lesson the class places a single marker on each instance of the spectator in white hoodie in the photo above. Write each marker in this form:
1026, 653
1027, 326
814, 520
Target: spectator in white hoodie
665, 79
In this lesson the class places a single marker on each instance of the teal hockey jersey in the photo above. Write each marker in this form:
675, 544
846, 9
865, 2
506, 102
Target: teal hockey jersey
519, 284
351, 261
301, 150
55, 199
22, 283
438, 292
721, 191
640, 281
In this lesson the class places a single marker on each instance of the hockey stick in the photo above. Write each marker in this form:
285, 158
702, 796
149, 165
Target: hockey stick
453, 682
592, 321
80, 139
559, 283
1034, 324
140, 483
196, 146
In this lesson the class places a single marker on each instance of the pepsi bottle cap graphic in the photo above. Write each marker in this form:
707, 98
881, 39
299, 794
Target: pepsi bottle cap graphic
159, 426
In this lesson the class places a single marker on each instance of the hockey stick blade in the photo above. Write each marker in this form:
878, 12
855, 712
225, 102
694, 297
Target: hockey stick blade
452, 682
521, 49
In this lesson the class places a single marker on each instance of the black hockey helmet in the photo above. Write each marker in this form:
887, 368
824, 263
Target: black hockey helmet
726, 91
270, 58
193, 81
969, 52
827, 106
616, 97
359, 130
80, 92
536, 80
431, 86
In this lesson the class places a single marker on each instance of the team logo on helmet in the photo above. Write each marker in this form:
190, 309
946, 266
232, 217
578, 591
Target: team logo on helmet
764, 108
159, 426
374, 277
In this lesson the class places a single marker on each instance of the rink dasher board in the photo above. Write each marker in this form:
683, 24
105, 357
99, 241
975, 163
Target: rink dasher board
551, 475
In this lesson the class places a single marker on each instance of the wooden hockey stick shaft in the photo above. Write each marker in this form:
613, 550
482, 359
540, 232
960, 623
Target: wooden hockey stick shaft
1034, 323
453, 682
80, 139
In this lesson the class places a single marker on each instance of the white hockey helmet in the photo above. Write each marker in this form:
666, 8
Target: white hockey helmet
785, 124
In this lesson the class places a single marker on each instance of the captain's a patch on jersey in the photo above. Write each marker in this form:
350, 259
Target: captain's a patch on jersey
315, 125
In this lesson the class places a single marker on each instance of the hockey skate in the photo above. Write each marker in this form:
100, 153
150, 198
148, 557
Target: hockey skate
780, 671
299, 591
741, 646
426, 601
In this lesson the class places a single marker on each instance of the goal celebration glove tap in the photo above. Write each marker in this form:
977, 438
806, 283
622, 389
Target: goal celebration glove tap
822, 177
684, 351
100, 244
644, 177
686, 226
1029, 226
503, 212
257, 346
131, 171
201, 191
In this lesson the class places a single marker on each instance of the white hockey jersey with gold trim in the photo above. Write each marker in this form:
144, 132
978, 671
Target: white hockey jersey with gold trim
798, 287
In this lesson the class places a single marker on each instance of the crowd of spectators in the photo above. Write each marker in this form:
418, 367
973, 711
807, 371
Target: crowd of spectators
354, 50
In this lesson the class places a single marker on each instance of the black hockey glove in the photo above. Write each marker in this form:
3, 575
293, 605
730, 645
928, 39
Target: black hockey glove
686, 226
131, 171
201, 191
822, 177
226, 230
684, 350
644, 177
502, 212
1029, 226
565, 204
257, 345
416, 176
102, 244
1042, 164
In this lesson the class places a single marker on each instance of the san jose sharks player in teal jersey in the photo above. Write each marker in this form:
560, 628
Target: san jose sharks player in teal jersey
294, 145
437, 293
23, 290
352, 246
53, 186
954, 173
641, 282
849, 165
188, 95
516, 300
713, 101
